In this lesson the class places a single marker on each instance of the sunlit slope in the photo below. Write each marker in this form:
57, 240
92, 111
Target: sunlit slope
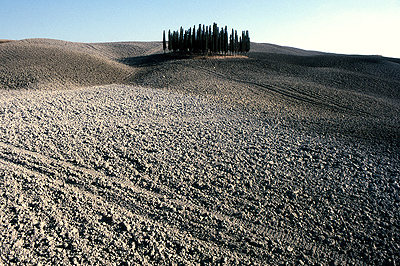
53, 64
356, 95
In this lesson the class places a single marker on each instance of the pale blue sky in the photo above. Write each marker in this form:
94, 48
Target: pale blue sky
341, 26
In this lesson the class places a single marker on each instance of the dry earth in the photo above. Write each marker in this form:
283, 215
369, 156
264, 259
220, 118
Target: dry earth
115, 154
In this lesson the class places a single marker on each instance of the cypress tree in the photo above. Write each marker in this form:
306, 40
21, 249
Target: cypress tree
186, 41
236, 42
215, 39
231, 44
210, 37
226, 40
220, 40
169, 40
164, 42
175, 41
181, 39
199, 38
247, 41
203, 40
190, 41
243, 48
206, 41
194, 39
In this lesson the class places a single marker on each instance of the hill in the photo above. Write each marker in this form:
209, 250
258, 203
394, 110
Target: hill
116, 154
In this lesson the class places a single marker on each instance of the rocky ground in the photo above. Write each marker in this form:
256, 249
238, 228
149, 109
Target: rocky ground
286, 157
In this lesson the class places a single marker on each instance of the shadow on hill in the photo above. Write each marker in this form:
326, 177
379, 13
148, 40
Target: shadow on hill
152, 60
155, 59
5, 41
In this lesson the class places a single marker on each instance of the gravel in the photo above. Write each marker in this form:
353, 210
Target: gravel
241, 161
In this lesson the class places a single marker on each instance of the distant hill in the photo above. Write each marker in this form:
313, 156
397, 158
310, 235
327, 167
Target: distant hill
277, 49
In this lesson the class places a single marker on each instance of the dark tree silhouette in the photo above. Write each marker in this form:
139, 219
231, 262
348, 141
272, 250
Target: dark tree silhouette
247, 42
232, 43
164, 42
207, 40
236, 45
226, 41
215, 38
169, 40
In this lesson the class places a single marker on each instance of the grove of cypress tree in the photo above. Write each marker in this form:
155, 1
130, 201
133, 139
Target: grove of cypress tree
207, 39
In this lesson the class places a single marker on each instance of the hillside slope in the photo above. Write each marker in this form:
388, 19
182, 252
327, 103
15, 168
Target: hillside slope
116, 154
54, 64
353, 95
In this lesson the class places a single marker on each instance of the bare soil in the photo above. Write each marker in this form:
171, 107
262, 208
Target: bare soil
116, 154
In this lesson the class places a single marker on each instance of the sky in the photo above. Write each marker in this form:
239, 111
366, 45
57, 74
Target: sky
337, 26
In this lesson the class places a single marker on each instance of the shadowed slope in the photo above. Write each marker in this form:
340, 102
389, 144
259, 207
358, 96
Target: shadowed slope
4, 41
